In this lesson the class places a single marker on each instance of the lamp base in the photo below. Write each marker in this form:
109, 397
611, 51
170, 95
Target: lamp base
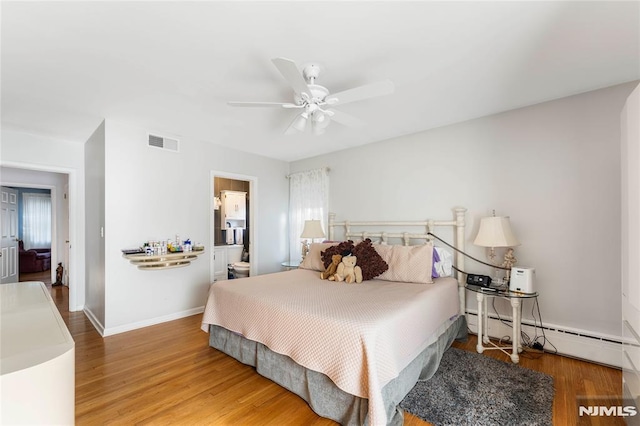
509, 261
305, 249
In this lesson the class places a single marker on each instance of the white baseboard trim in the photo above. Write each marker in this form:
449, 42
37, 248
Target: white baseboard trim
152, 321
78, 308
94, 321
574, 343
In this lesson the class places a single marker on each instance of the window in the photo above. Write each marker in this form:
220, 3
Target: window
308, 199
36, 220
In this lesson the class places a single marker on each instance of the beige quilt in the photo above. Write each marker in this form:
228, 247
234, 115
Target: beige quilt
360, 335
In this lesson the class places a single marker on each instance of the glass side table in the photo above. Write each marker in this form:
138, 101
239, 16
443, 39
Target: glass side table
515, 298
290, 264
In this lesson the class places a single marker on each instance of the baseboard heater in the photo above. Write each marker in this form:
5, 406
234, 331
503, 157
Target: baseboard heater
559, 330
576, 344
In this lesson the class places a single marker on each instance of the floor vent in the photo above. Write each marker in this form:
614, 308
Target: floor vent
163, 143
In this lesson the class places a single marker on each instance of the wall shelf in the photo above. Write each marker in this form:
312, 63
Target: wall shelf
163, 261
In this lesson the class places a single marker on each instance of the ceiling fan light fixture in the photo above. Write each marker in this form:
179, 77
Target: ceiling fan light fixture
320, 122
318, 116
300, 122
319, 128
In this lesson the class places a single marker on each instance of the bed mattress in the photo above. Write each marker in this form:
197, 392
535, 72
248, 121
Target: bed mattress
361, 336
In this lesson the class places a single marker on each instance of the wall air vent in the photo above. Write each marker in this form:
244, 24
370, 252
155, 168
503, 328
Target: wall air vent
163, 143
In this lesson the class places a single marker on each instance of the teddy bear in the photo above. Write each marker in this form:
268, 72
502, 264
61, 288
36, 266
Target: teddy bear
332, 268
348, 271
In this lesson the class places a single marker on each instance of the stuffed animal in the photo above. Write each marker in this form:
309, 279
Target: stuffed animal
348, 271
332, 268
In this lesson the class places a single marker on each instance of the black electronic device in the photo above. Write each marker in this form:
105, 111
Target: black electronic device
132, 251
481, 280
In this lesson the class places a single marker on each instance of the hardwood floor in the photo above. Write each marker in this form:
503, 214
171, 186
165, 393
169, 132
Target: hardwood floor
167, 374
44, 276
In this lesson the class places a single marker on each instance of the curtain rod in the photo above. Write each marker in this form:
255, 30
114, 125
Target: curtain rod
327, 169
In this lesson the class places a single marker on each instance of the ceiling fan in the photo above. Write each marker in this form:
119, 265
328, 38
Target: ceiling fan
315, 101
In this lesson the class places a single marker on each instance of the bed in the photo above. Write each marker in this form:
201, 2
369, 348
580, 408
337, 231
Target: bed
351, 351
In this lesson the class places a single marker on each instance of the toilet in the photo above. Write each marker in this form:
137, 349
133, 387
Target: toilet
237, 267
241, 269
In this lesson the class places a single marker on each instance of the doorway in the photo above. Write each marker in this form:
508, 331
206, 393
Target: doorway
218, 236
59, 184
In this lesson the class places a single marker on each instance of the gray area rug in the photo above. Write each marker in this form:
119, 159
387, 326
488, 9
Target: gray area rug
474, 389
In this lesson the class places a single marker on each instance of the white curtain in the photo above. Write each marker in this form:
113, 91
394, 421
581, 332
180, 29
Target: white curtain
308, 199
36, 220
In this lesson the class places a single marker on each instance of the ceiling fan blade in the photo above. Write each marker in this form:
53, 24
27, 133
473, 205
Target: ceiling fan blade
380, 88
292, 74
264, 104
346, 119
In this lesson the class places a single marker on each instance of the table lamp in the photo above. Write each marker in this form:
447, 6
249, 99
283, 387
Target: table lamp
312, 230
495, 231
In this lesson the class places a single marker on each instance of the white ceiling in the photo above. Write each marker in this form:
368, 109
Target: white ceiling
170, 67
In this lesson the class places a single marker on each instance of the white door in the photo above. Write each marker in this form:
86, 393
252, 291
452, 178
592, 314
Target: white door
9, 243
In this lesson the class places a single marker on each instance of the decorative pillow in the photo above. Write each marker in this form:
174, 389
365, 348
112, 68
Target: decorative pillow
313, 259
371, 263
410, 264
342, 248
434, 262
442, 263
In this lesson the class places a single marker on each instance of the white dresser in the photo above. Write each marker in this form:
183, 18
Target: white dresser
37, 358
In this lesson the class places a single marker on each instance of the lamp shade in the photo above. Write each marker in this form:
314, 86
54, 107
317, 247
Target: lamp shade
495, 231
312, 229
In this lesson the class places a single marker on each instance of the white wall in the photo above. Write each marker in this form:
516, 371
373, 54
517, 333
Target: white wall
156, 194
35, 152
94, 164
554, 168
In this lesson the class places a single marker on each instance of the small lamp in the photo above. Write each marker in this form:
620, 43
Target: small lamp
495, 231
312, 229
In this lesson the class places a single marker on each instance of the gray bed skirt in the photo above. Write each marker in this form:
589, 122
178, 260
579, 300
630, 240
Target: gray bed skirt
322, 395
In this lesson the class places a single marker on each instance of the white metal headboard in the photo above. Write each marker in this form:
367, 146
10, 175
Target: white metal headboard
457, 223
